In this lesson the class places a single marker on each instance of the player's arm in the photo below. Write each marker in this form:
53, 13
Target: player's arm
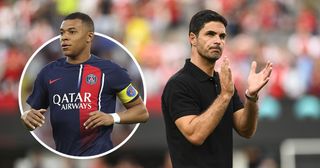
245, 120
136, 111
33, 118
196, 128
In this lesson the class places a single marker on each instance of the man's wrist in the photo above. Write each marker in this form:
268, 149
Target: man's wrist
250, 97
116, 118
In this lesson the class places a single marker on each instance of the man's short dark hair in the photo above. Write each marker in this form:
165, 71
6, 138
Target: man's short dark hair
202, 17
86, 19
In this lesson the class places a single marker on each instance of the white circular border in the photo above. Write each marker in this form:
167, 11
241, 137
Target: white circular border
101, 154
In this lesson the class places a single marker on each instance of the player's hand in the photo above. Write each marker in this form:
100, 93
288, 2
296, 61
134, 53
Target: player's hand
33, 118
256, 81
227, 86
98, 118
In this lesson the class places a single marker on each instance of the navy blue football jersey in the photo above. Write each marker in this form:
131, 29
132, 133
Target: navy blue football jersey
72, 91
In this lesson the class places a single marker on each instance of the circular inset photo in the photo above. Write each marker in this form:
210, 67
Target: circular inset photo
81, 94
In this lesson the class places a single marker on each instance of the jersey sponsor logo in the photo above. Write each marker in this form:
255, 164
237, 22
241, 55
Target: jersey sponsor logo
54, 80
91, 79
131, 91
72, 101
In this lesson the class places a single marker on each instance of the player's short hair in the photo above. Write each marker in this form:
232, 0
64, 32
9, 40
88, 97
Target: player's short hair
86, 19
202, 17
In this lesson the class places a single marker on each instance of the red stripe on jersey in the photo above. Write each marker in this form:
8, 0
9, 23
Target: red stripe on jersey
90, 84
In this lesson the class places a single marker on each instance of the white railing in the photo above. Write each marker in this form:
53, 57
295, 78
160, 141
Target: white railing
292, 147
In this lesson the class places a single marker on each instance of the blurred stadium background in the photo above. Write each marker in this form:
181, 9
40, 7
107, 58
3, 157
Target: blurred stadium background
285, 32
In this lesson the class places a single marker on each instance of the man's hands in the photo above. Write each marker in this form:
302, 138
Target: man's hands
98, 118
136, 113
227, 86
256, 81
33, 118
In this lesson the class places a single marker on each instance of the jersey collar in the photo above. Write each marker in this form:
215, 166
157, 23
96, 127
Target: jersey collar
197, 72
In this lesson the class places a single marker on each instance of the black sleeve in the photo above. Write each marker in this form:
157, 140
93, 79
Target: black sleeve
237, 103
179, 101
118, 79
39, 97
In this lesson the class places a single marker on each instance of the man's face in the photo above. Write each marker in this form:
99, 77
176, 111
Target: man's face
74, 37
211, 40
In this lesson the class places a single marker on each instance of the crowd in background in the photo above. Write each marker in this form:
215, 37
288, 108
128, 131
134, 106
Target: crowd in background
286, 32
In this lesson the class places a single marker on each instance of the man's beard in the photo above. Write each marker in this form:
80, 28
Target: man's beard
210, 58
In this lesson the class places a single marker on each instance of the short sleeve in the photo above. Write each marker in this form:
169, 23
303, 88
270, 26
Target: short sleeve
39, 98
118, 79
178, 101
237, 103
120, 83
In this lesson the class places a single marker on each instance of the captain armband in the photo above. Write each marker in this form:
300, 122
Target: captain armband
127, 94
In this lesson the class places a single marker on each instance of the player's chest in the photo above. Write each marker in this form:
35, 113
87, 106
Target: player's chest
75, 80
63, 82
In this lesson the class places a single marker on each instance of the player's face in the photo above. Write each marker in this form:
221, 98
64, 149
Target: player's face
74, 38
211, 40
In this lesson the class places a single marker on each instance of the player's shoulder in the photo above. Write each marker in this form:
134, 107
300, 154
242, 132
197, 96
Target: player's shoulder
103, 61
51, 65
105, 65
180, 79
182, 76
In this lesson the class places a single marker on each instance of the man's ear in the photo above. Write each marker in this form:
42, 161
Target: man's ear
192, 39
90, 37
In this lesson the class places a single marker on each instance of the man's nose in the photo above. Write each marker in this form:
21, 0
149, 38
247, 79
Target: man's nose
217, 40
63, 37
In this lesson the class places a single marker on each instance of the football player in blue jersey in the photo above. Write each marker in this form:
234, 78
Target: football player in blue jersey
81, 89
